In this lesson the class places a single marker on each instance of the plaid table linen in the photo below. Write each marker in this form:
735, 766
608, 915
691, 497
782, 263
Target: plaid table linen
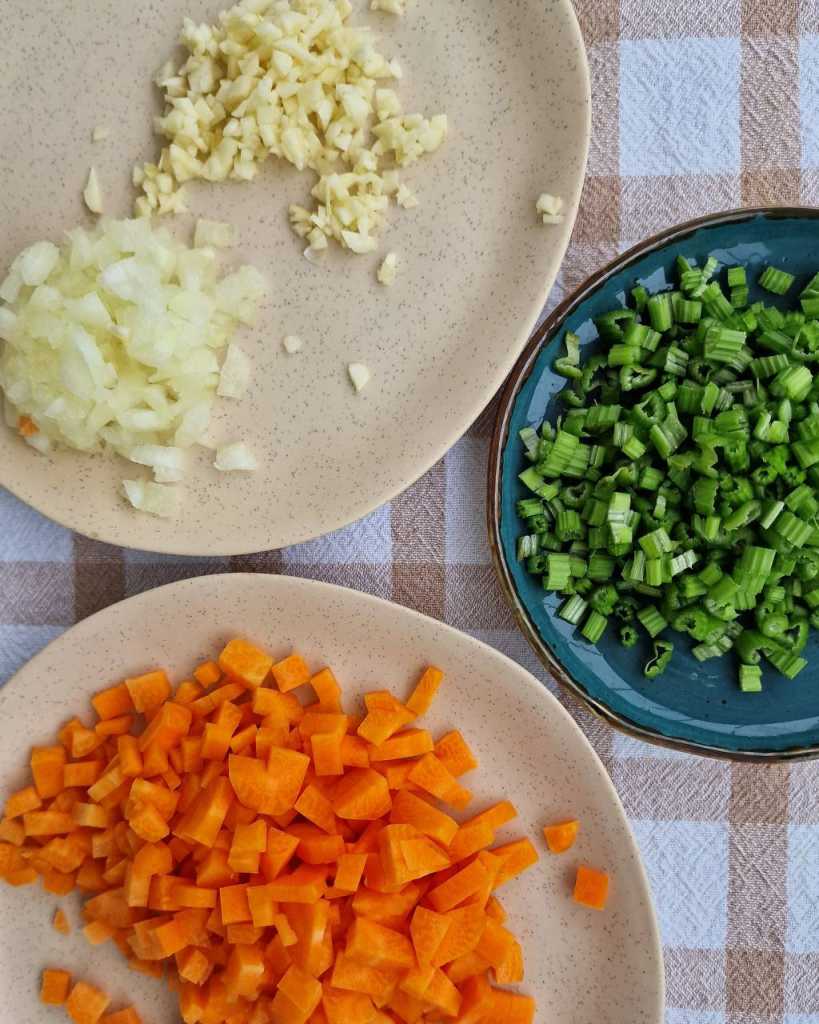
698, 106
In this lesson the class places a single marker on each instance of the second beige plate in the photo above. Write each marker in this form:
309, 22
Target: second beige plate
475, 265
582, 966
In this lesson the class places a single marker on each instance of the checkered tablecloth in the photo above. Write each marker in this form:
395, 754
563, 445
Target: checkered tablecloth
699, 105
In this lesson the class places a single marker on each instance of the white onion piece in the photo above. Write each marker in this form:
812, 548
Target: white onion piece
215, 233
152, 498
360, 375
233, 457
235, 376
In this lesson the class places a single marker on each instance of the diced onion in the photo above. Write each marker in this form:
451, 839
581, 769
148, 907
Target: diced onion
112, 343
233, 457
388, 269
359, 375
155, 499
292, 343
93, 193
235, 375
215, 233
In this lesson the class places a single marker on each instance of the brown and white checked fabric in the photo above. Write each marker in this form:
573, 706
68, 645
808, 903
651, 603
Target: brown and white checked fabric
699, 105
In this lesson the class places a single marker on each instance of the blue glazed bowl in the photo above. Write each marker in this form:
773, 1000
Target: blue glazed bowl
693, 706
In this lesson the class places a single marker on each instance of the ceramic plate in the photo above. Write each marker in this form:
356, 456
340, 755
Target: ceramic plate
476, 266
693, 705
583, 966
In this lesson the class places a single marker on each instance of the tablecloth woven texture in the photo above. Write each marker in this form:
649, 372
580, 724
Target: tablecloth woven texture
698, 106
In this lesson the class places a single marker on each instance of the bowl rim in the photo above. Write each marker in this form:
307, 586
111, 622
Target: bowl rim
544, 333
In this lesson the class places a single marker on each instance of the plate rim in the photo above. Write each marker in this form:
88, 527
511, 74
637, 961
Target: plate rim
521, 372
508, 355
538, 690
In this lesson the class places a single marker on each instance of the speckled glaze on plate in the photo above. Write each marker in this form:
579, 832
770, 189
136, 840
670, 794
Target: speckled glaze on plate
583, 966
693, 706
475, 264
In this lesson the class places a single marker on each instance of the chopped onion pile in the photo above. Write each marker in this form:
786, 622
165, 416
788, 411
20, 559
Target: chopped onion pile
112, 343
293, 80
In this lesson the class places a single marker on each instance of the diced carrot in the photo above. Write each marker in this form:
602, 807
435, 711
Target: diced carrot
517, 857
347, 1007
362, 795
48, 823
409, 809
425, 689
54, 987
475, 1000
381, 723
435, 778
26, 426
187, 692
427, 931
243, 662
458, 888
495, 816
98, 932
510, 971
354, 752
82, 774
302, 990
207, 674
410, 743
327, 756
290, 673
60, 922
86, 1004
47, 765
327, 690
349, 872
148, 692
453, 750
561, 836
510, 1008
113, 702
466, 927
591, 887
127, 1016
373, 944
23, 801
315, 807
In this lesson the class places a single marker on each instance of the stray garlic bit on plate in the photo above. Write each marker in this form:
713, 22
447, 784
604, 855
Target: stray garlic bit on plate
551, 208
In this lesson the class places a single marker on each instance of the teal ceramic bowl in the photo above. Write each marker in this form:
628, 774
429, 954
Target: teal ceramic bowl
693, 706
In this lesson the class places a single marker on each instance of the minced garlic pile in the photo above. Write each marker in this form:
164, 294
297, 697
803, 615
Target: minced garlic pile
290, 78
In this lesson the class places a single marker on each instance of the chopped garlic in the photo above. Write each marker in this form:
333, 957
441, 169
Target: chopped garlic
235, 457
390, 6
406, 198
152, 498
235, 375
99, 134
293, 79
550, 207
359, 375
215, 233
388, 269
93, 194
292, 344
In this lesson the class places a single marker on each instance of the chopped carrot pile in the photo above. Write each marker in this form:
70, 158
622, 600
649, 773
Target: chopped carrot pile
278, 860
591, 887
561, 836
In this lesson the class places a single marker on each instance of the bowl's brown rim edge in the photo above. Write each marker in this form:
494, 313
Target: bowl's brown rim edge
514, 382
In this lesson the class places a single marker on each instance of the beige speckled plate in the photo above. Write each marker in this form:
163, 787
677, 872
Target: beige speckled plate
584, 967
475, 264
